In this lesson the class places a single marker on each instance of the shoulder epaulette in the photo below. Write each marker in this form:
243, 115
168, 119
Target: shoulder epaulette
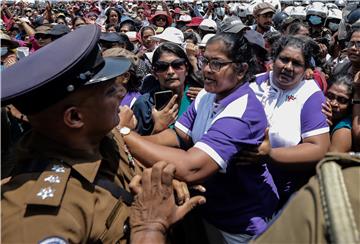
50, 186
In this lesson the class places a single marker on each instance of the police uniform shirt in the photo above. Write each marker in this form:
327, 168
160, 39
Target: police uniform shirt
53, 196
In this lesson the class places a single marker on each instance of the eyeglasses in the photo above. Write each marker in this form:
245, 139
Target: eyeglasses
354, 43
215, 65
342, 100
161, 66
39, 36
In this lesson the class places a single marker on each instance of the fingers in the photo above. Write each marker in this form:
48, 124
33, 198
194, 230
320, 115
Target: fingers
168, 174
135, 184
182, 210
156, 174
182, 193
199, 188
171, 103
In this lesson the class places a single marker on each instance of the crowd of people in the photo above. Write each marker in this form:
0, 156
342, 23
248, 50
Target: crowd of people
120, 118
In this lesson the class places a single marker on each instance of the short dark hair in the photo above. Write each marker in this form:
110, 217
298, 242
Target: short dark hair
302, 43
239, 50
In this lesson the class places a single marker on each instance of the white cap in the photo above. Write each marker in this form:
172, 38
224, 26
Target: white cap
208, 25
205, 40
185, 18
170, 34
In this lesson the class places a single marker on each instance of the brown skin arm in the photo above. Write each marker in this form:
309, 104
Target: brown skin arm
312, 149
341, 140
192, 166
356, 113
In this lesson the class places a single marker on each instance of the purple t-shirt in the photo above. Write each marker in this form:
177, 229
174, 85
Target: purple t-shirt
239, 198
130, 99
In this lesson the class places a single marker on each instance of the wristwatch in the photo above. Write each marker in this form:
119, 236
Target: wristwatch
125, 131
355, 101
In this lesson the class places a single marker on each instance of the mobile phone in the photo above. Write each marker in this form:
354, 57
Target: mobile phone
162, 98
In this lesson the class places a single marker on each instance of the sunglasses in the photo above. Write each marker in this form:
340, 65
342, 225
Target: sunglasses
342, 100
161, 66
39, 36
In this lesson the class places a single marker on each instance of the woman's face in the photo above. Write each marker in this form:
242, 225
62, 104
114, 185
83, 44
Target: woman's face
113, 17
124, 29
161, 21
354, 48
339, 97
289, 68
171, 71
79, 22
147, 41
223, 79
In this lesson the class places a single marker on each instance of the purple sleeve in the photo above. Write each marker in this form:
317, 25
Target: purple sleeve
186, 121
228, 135
313, 121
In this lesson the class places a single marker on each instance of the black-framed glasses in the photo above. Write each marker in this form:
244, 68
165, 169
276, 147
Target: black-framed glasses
342, 100
177, 64
215, 65
354, 43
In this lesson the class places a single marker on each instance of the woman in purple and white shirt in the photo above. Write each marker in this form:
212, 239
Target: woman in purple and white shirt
224, 119
298, 131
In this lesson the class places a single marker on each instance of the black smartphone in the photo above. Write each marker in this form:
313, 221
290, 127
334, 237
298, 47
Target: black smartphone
162, 98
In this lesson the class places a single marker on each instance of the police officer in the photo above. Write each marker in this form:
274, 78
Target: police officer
70, 182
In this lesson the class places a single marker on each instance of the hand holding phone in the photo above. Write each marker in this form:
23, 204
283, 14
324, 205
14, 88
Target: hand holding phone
162, 98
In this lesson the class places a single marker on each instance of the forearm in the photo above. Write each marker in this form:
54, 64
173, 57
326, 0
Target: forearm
299, 154
28, 29
191, 166
149, 153
167, 137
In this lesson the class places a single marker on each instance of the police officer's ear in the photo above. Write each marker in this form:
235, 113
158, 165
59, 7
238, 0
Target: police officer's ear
73, 118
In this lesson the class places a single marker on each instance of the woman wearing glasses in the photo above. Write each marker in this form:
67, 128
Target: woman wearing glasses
172, 71
224, 119
298, 131
339, 97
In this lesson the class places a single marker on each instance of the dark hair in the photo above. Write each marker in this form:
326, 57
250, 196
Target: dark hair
169, 47
192, 36
108, 26
238, 49
107, 13
124, 39
302, 43
272, 36
130, 24
75, 19
149, 27
345, 80
295, 27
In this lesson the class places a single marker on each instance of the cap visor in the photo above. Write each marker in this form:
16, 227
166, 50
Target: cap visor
235, 29
114, 66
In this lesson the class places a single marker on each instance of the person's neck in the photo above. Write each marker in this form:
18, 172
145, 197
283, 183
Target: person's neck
74, 145
221, 96
260, 29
